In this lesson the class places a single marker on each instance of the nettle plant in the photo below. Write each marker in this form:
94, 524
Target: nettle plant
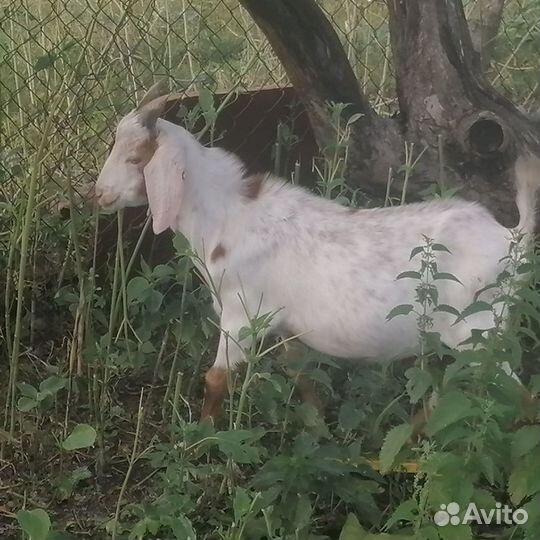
475, 451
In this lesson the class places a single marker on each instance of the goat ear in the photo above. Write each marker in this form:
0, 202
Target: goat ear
164, 181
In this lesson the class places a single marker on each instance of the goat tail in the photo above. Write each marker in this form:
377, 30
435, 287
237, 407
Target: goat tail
527, 171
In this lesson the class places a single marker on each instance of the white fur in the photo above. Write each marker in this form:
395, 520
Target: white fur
327, 273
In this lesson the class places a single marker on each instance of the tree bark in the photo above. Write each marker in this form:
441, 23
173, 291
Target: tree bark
447, 108
484, 22
309, 49
443, 96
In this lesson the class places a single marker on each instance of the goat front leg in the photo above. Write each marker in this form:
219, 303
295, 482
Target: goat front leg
229, 355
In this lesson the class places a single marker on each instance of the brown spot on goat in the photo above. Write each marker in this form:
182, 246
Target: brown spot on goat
253, 185
218, 253
215, 392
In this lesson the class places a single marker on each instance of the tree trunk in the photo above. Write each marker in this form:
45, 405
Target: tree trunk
443, 94
459, 124
484, 22
317, 66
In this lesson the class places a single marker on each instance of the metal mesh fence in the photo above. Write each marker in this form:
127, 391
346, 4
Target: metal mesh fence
90, 60
101, 53
514, 68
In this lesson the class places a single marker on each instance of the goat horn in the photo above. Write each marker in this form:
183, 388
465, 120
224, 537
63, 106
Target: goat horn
155, 91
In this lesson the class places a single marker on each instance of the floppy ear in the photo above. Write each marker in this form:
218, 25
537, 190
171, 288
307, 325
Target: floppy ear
164, 181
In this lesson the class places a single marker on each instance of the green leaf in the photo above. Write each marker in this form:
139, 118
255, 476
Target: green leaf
475, 307
27, 390
35, 523
206, 100
403, 309
138, 289
394, 441
25, 404
525, 479
352, 530
407, 511
308, 414
163, 271
82, 436
452, 407
182, 528
411, 274
154, 300
147, 347
241, 504
52, 385
418, 384
416, 251
533, 510
440, 247
487, 466
518, 485
446, 275
445, 308
455, 532
181, 244
237, 444
304, 510
524, 440
245, 332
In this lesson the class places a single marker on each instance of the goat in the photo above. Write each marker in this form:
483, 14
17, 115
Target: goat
326, 272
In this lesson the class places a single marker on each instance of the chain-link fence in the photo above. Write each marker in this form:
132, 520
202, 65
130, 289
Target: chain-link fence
68, 68
101, 53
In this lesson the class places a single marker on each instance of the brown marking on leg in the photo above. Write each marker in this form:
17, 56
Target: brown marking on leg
216, 390
217, 253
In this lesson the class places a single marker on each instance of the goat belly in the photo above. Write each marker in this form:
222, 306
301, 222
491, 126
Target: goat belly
350, 322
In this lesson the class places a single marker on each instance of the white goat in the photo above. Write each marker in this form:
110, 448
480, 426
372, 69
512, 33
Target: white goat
328, 273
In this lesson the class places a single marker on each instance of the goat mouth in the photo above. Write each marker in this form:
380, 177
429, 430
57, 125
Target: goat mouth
109, 205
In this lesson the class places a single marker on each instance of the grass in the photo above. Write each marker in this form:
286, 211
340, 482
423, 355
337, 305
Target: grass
102, 388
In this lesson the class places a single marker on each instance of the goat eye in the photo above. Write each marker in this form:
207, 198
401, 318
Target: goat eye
135, 160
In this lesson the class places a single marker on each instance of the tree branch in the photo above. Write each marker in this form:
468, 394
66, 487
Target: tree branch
315, 61
312, 55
